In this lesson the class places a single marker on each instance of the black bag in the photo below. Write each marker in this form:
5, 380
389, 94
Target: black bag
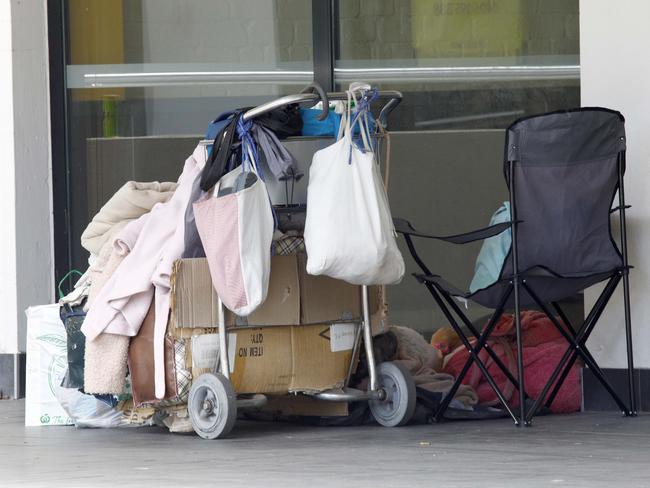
291, 217
284, 122
73, 318
222, 150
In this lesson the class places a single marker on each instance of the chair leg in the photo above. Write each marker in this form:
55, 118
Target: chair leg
628, 340
493, 355
574, 356
473, 353
572, 359
579, 349
520, 358
473, 357
626, 282
560, 381
586, 329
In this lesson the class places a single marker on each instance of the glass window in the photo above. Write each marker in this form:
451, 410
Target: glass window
144, 78
467, 69
463, 63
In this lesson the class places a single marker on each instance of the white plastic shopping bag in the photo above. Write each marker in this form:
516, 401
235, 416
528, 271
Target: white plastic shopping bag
236, 227
47, 361
349, 232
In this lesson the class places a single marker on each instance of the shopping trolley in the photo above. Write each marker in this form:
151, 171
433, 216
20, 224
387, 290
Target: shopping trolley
213, 402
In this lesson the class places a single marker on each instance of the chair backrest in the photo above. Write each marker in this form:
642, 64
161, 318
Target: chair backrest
565, 168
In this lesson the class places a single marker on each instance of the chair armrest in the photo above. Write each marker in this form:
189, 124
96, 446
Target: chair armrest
403, 226
618, 209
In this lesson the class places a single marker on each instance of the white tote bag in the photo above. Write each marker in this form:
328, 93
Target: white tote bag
349, 233
235, 223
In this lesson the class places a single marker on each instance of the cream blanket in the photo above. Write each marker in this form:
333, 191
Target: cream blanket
424, 362
131, 201
109, 237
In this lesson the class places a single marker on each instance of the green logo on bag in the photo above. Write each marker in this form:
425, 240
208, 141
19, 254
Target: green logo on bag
59, 362
45, 419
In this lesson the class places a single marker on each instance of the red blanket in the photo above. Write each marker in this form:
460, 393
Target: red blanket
543, 347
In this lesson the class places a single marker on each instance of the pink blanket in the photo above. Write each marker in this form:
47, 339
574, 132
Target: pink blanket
543, 347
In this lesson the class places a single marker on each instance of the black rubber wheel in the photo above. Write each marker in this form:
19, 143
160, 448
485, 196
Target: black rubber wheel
398, 406
212, 405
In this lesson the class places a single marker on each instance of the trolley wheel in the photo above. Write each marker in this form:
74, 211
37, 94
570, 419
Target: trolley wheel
212, 405
398, 406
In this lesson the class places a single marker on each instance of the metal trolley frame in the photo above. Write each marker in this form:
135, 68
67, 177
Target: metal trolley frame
213, 403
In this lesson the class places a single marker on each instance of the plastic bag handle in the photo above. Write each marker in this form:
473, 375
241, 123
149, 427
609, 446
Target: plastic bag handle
65, 277
361, 119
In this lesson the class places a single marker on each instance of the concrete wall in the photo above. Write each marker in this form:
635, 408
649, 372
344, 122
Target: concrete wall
26, 249
615, 74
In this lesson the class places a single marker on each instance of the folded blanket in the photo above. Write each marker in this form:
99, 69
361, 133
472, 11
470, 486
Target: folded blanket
129, 202
106, 355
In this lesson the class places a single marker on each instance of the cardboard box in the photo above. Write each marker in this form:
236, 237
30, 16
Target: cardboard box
288, 359
193, 300
300, 340
294, 298
279, 359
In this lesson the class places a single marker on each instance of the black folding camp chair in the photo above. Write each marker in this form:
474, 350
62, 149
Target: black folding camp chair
562, 170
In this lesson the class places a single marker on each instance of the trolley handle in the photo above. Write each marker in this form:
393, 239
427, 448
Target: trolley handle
394, 98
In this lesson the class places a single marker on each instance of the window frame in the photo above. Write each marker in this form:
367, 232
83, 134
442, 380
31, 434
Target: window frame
324, 32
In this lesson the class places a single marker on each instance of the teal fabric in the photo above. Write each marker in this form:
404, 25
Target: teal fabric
311, 126
493, 252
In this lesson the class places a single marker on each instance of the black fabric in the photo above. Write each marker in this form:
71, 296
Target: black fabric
222, 151
291, 217
284, 122
565, 177
565, 217
404, 227
566, 169
73, 318
566, 137
193, 245
549, 288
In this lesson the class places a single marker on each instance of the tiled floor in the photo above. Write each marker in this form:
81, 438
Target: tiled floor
590, 450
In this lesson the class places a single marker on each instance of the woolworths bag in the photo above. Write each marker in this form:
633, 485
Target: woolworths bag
46, 365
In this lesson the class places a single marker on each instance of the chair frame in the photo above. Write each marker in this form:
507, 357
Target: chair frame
576, 338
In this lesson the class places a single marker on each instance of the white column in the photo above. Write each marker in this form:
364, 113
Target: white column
615, 73
26, 246
8, 302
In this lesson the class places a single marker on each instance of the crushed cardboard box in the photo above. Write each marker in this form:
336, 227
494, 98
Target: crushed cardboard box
294, 298
278, 359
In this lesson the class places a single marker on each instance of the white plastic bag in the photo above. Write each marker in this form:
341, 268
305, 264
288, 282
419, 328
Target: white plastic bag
87, 411
90, 412
236, 231
47, 361
349, 233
